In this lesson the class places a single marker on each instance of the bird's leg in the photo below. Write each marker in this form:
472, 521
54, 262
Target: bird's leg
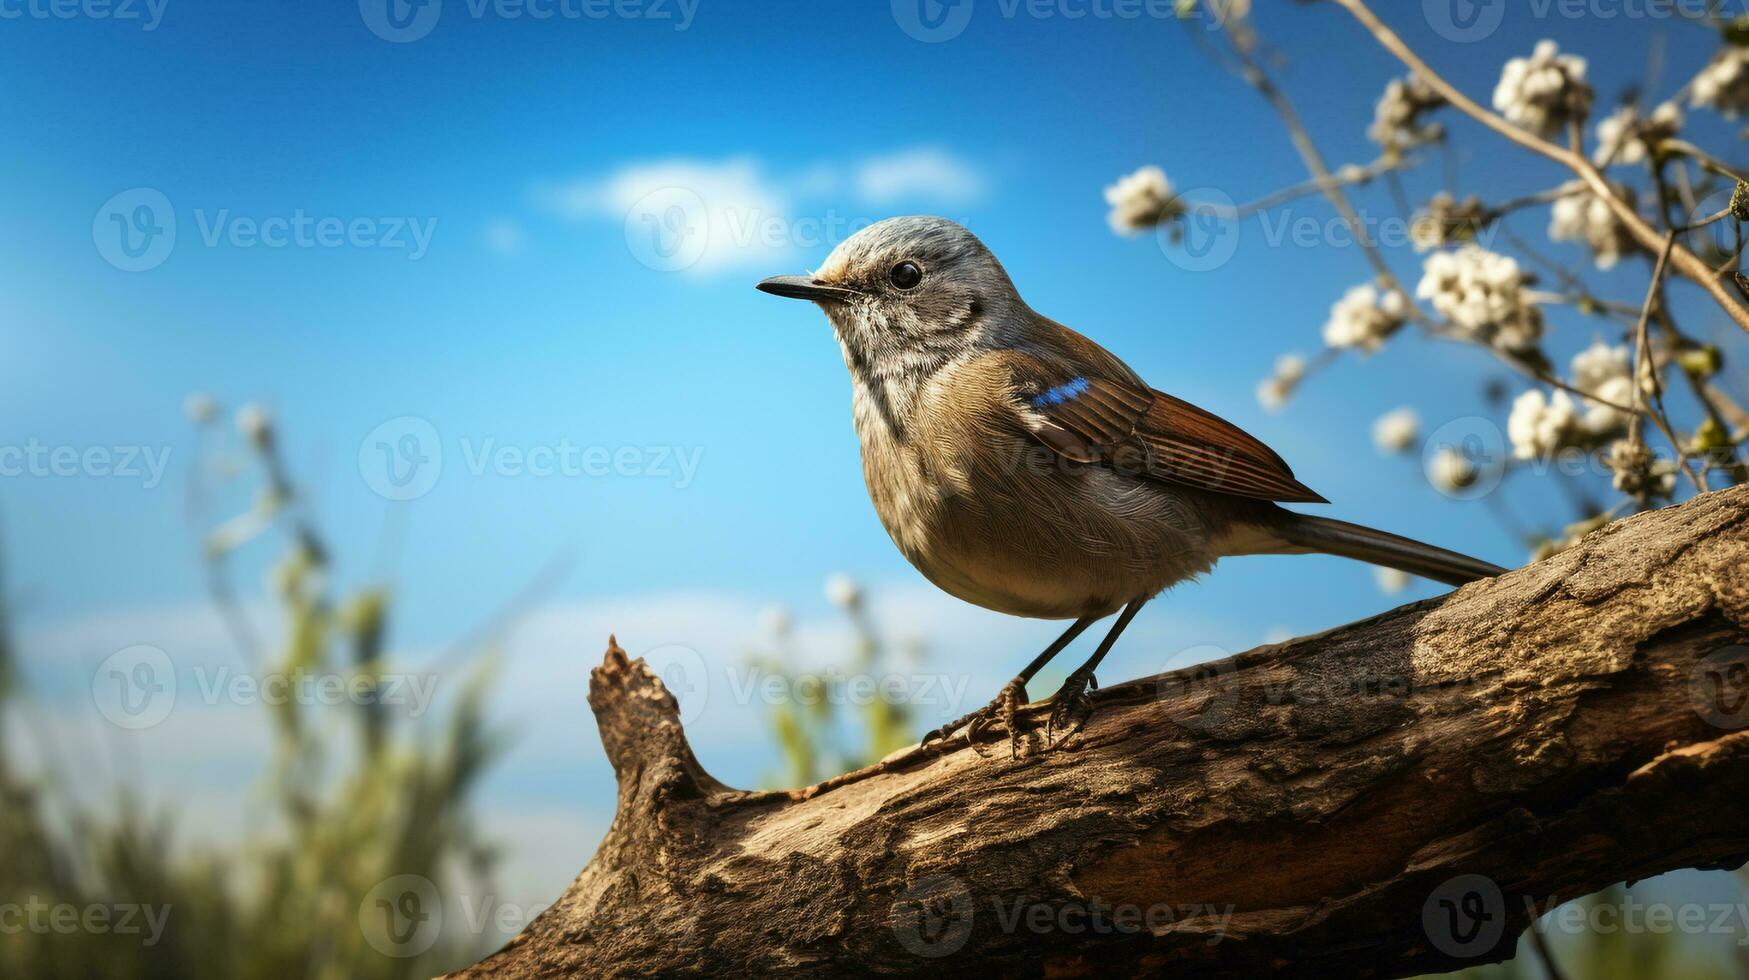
1012, 697
1070, 707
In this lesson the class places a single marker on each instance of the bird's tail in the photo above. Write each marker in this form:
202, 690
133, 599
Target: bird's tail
1304, 532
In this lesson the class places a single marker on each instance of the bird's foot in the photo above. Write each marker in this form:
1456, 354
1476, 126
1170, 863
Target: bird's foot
1071, 706
1000, 711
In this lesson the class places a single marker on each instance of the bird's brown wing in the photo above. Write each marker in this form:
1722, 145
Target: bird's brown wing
1135, 429
1199, 448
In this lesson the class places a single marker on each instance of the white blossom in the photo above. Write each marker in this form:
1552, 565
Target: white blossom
1541, 425
1483, 294
1391, 580
1397, 122
1724, 83
1274, 391
1446, 220
1543, 92
843, 591
1638, 473
1141, 200
1601, 419
1450, 470
1598, 363
200, 408
1396, 430
1622, 136
1605, 371
1363, 318
1585, 217
776, 622
1272, 394
255, 424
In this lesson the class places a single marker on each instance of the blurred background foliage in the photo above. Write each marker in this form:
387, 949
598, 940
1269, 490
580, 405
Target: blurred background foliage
355, 794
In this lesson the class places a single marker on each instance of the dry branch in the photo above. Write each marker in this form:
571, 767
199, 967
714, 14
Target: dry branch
1390, 797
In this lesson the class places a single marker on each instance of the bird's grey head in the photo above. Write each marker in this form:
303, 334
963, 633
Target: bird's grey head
906, 295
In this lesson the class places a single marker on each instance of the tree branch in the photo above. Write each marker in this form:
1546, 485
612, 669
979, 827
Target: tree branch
1690, 265
1399, 795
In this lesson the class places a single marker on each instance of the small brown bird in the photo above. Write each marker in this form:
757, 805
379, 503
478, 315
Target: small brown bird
1022, 467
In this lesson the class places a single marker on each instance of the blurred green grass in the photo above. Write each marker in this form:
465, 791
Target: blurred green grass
355, 805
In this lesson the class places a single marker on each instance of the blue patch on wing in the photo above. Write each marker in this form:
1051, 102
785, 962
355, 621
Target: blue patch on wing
1061, 393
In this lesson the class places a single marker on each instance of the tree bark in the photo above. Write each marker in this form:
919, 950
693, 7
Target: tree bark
1399, 795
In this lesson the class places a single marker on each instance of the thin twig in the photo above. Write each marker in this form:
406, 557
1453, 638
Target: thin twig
1370, 172
1690, 265
1642, 353
1252, 72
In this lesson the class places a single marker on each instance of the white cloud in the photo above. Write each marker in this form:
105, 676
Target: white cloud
696, 216
707, 216
926, 173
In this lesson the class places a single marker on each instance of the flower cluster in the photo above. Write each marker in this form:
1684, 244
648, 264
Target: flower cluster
1582, 216
1605, 372
1391, 581
1447, 221
843, 592
1396, 430
1540, 425
1545, 91
1638, 473
1623, 136
1724, 83
776, 622
255, 424
200, 408
1452, 471
1141, 200
1483, 294
1364, 318
1397, 119
1274, 391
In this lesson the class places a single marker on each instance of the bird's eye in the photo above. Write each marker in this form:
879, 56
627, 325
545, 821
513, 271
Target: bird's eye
906, 275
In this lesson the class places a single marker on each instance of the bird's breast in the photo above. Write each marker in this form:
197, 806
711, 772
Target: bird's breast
992, 517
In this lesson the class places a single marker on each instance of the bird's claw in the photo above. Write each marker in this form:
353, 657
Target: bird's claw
1001, 712
1071, 706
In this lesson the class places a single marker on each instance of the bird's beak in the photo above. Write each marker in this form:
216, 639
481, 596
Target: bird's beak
804, 287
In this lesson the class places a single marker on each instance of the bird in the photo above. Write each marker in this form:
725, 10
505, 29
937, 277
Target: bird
1022, 467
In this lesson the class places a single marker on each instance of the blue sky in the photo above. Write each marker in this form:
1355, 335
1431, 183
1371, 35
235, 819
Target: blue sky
537, 316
